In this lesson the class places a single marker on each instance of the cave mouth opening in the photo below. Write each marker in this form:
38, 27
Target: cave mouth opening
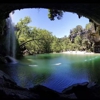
57, 22
30, 23
77, 75
41, 18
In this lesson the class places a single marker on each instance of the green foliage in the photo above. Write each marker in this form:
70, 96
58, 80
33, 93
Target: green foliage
32, 39
90, 25
36, 40
86, 43
56, 45
77, 29
55, 13
78, 40
22, 26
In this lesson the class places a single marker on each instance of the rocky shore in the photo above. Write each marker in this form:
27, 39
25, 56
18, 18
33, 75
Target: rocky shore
9, 90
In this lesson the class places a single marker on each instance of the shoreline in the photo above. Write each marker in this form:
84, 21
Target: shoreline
78, 52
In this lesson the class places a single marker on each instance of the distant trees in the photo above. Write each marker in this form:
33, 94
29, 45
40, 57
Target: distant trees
35, 40
90, 25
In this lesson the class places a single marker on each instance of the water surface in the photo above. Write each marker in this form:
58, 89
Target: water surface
56, 71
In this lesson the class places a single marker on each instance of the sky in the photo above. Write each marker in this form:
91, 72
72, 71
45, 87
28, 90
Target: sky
40, 19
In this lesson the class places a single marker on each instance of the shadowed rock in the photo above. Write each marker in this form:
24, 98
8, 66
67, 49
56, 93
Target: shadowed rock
10, 90
91, 11
45, 92
82, 92
69, 90
10, 59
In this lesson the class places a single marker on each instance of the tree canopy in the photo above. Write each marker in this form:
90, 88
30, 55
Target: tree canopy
33, 40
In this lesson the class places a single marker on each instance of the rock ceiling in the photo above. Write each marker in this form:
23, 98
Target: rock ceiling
89, 10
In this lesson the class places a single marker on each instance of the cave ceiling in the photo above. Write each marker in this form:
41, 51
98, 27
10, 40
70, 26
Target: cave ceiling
88, 10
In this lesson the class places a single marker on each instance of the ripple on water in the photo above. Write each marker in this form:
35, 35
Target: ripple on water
33, 65
57, 64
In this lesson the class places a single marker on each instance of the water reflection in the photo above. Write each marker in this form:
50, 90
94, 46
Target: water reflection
30, 76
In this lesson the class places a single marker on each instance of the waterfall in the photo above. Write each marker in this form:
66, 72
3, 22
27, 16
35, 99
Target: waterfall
10, 38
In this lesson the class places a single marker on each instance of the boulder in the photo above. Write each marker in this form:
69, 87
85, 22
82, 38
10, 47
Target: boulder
5, 80
69, 90
10, 59
2, 60
45, 92
82, 92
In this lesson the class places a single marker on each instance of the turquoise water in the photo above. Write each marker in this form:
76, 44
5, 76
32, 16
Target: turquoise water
56, 71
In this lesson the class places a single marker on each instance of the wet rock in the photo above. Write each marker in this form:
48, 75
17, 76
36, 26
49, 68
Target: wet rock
5, 80
96, 90
7, 59
69, 90
91, 84
45, 92
2, 60
71, 96
82, 92
10, 59
16, 94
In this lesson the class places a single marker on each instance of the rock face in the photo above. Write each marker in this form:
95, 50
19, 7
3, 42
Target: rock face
10, 90
89, 10
84, 91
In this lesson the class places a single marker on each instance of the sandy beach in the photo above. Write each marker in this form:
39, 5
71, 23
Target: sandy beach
78, 52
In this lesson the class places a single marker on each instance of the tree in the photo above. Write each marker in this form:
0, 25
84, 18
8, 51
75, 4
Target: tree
79, 28
65, 43
86, 43
22, 26
56, 45
90, 25
55, 13
78, 40
33, 39
37, 40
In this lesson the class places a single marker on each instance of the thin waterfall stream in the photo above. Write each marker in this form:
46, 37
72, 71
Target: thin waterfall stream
10, 37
